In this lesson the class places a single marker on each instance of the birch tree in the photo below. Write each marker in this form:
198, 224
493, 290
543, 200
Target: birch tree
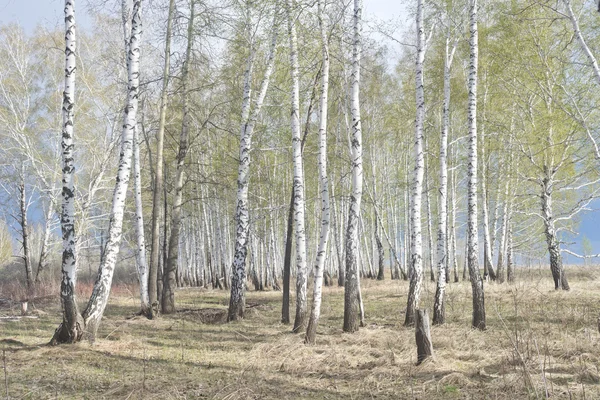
323, 184
416, 250
71, 328
472, 230
140, 251
442, 239
237, 300
351, 284
89, 320
298, 188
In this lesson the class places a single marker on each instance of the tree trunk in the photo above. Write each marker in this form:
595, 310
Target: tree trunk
321, 256
429, 219
556, 264
71, 328
99, 298
287, 263
153, 282
423, 336
380, 252
478, 321
351, 286
299, 223
416, 251
140, 253
488, 267
168, 298
43, 261
439, 313
238, 283
25, 235
510, 272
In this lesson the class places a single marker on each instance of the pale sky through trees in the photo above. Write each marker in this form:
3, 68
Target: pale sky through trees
49, 14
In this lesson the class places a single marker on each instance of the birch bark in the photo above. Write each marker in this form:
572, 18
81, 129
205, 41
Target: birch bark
299, 223
238, 282
442, 240
99, 298
351, 284
311, 330
472, 231
71, 328
416, 251
140, 252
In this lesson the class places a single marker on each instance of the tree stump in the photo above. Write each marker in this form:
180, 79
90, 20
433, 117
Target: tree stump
423, 336
24, 307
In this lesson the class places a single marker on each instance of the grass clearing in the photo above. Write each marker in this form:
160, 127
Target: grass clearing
538, 341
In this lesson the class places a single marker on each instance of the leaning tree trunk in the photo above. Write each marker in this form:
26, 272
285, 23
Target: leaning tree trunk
169, 275
71, 328
556, 263
416, 251
238, 283
439, 314
158, 172
351, 284
472, 231
311, 330
301, 274
92, 315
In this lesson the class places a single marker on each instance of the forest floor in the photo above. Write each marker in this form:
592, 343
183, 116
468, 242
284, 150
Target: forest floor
539, 343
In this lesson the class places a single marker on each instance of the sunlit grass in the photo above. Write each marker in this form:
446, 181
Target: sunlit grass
537, 341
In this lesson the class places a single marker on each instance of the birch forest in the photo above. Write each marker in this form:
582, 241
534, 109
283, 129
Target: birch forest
260, 199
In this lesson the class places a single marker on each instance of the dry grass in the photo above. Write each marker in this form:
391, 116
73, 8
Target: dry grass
539, 342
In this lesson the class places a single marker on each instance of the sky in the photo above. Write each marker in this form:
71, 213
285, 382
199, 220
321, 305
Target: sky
49, 13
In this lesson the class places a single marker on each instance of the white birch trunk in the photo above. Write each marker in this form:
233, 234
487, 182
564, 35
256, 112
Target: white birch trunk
429, 219
416, 251
503, 231
487, 243
71, 329
439, 314
311, 331
140, 254
237, 299
352, 283
472, 229
453, 226
556, 262
99, 298
299, 223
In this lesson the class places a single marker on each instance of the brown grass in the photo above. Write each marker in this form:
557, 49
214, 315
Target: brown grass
538, 341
